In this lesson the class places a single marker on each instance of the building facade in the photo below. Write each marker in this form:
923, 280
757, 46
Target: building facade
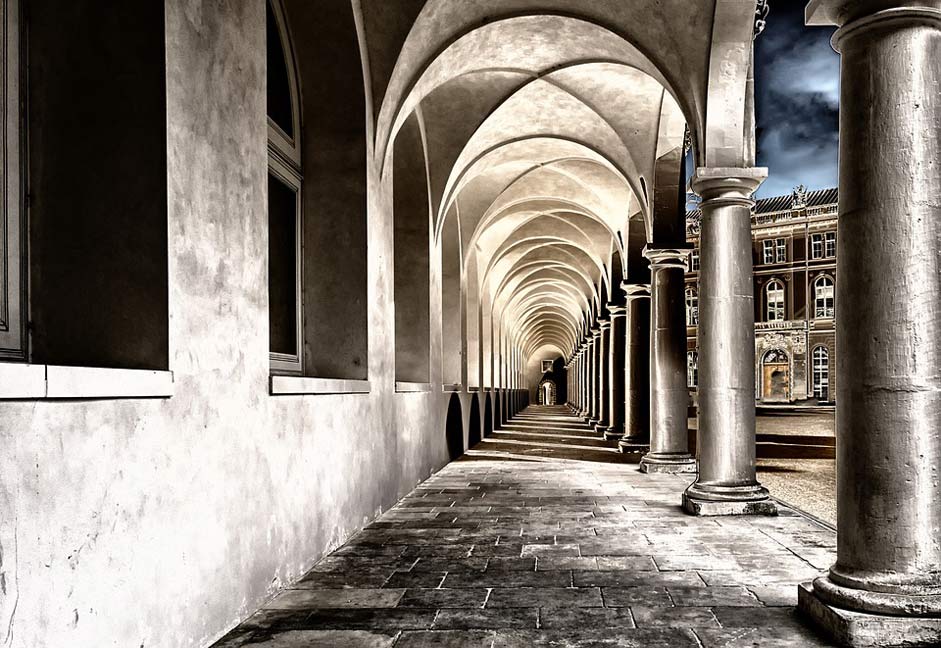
794, 260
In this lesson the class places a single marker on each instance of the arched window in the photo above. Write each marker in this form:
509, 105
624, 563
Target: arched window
823, 296
774, 301
284, 200
692, 306
692, 369
821, 373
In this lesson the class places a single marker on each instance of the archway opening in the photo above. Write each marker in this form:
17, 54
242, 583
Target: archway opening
547, 392
473, 429
488, 417
775, 376
454, 428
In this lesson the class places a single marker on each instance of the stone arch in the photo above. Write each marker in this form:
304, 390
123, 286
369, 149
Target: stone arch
474, 425
454, 428
488, 415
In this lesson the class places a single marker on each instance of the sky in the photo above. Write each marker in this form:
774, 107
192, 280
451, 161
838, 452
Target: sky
797, 99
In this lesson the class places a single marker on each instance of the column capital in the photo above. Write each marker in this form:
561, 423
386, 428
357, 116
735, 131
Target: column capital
604, 325
662, 258
722, 186
636, 290
595, 332
616, 310
855, 15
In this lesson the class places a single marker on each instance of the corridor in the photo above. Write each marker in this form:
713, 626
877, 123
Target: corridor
545, 535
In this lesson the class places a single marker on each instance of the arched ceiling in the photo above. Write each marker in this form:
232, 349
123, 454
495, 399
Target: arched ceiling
545, 125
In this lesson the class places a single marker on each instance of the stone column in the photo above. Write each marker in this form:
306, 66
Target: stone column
582, 382
602, 355
727, 484
593, 376
669, 395
615, 429
636, 369
888, 300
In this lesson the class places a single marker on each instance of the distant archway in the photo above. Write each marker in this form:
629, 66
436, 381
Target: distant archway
454, 428
547, 392
488, 416
473, 430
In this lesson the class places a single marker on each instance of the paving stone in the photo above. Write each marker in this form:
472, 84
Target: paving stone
732, 595
674, 617
294, 599
367, 618
630, 596
319, 639
510, 563
596, 638
586, 617
570, 550
545, 597
487, 618
444, 598
446, 639
562, 563
601, 578
508, 578
415, 579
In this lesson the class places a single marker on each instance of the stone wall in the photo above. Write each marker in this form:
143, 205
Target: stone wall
163, 522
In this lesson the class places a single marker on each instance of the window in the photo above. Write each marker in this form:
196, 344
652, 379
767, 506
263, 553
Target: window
774, 251
823, 296
12, 298
829, 244
284, 203
692, 307
821, 373
96, 172
816, 246
774, 301
694, 260
823, 245
692, 369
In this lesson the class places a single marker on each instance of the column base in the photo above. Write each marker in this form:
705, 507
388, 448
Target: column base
613, 433
601, 428
592, 422
708, 500
654, 462
866, 629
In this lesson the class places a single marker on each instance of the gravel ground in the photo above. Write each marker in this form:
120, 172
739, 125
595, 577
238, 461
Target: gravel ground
791, 422
807, 484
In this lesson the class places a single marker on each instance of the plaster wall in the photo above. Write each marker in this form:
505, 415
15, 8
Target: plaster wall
162, 522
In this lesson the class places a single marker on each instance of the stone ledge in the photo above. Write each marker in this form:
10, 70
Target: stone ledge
299, 385
858, 629
37, 381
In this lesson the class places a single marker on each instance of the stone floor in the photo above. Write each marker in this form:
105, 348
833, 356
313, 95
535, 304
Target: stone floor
542, 536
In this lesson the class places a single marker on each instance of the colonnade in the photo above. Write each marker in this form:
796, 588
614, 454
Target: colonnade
885, 588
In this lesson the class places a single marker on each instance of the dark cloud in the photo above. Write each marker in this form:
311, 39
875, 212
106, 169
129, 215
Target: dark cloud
797, 94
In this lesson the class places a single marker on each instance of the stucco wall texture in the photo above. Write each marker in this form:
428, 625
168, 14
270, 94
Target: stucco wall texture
160, 523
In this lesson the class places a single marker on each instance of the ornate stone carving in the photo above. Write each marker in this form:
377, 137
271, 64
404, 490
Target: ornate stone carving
761, 16
799, 197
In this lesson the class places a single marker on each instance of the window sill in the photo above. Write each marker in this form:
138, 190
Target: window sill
451, 387
411, 387
299, 385
34, 381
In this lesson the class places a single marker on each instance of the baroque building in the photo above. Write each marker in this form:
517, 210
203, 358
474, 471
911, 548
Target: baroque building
794, 259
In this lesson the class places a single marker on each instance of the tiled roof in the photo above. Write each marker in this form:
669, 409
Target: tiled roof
783, 203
